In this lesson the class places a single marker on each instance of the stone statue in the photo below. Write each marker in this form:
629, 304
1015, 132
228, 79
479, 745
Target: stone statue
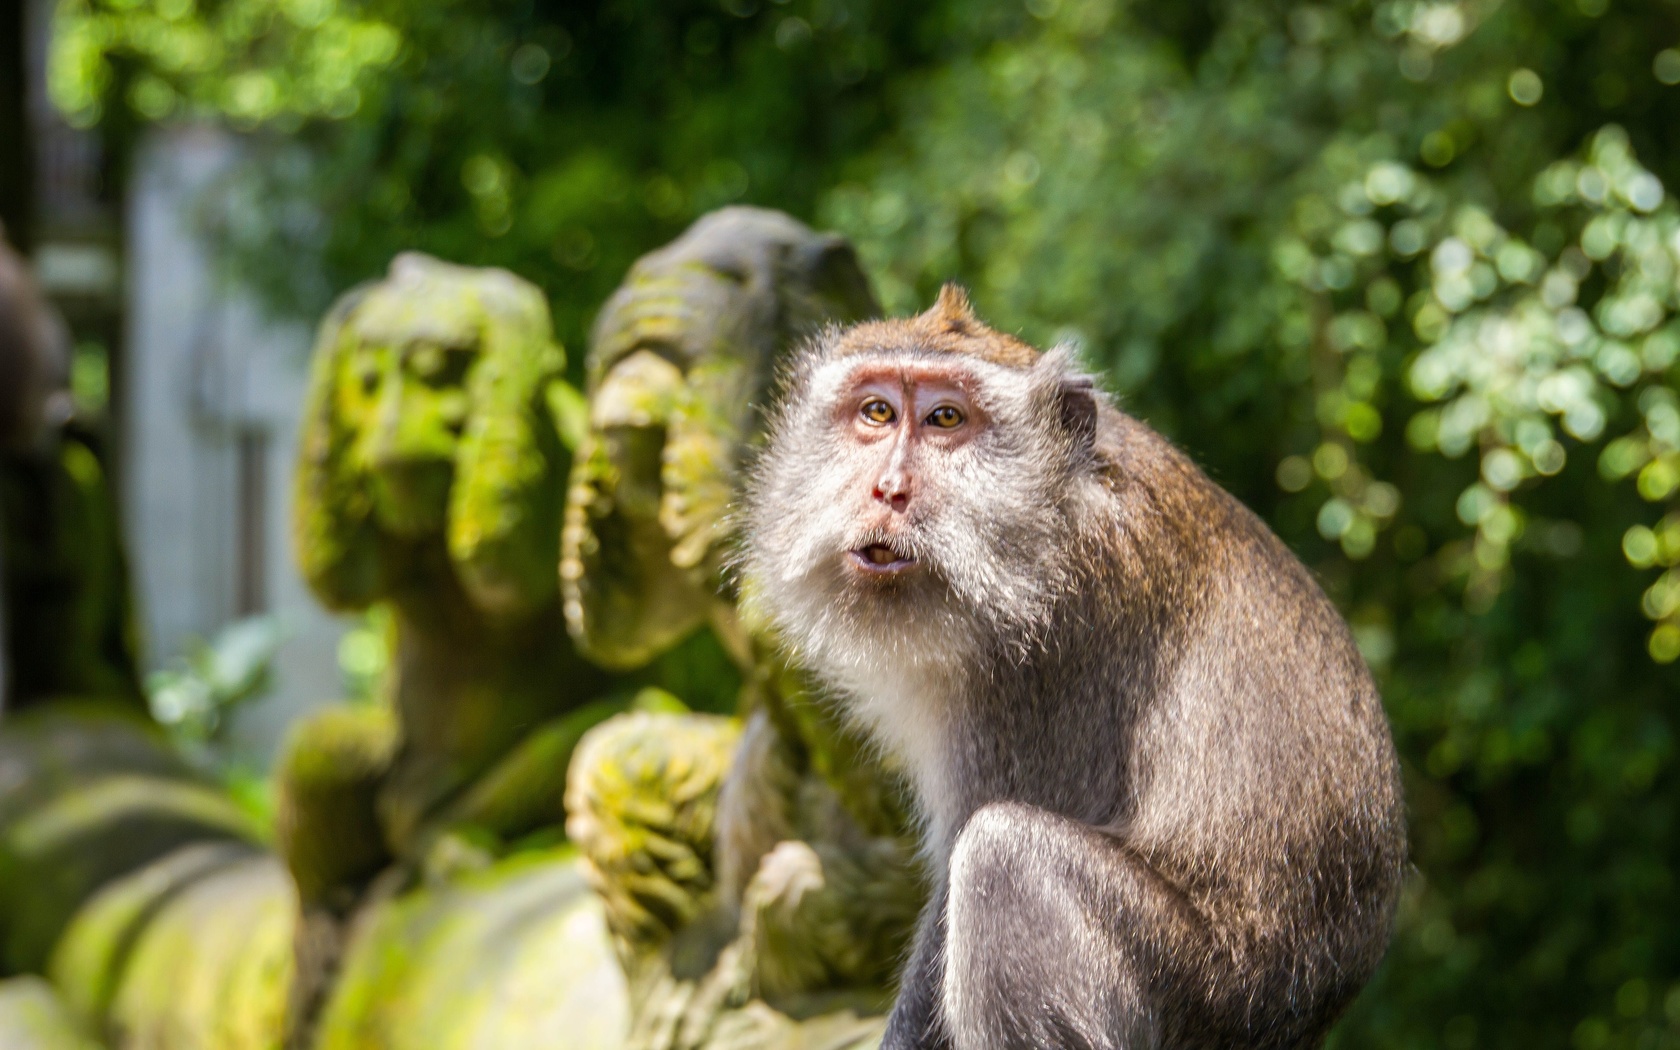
103, 824
759, 879
67, 617
431, 478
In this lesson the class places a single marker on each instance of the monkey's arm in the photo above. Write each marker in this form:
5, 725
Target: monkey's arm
1058, 934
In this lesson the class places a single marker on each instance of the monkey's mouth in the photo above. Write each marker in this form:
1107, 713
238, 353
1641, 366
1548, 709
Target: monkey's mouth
878, 559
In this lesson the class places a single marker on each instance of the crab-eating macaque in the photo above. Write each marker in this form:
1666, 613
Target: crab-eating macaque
1155, 778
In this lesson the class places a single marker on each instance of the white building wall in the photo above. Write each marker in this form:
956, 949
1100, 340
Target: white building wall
206, 375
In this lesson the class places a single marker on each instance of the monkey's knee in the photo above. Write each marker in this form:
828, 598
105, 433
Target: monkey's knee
1030, 961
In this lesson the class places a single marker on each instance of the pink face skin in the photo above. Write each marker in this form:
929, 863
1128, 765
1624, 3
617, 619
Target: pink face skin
898, 416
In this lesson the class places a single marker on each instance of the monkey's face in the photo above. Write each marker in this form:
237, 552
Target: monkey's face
406, 400
905, 430
911, 500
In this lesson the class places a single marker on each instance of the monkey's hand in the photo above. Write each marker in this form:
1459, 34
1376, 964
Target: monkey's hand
822, 919
788, 909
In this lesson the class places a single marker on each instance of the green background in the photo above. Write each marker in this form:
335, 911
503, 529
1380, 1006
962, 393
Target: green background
1401, 275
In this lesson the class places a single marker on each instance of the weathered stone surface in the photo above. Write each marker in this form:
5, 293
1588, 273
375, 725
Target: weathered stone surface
67, 628
431, 477
210, 970
32, 1018
46, 751
759, 876
514, 957
91, 958
679, 364
329, 773
88, 795
755, 880
54, 858
643, 802
430, 480
526, 791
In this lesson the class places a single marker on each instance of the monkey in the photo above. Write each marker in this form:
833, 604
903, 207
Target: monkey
1156, 787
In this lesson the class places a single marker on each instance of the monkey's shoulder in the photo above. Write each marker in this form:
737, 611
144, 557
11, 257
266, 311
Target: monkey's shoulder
1166, 509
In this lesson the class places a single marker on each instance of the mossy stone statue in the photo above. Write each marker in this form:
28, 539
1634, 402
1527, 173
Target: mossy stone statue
64, 596
91, 960
32, 1018
210, 967
758, 874
431, 478
88, 793
512, 956
681, 359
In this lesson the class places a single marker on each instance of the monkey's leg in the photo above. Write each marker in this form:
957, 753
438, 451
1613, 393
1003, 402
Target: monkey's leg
1055, 936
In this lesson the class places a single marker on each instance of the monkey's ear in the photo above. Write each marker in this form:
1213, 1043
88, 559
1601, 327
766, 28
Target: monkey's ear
1073, 393
1079, 408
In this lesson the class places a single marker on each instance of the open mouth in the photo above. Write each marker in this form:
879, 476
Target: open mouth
881, 560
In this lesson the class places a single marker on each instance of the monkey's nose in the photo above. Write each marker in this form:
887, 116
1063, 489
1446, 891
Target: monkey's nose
893, 492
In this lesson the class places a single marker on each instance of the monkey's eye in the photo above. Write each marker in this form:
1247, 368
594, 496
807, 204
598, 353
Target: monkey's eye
877, 411
945, 417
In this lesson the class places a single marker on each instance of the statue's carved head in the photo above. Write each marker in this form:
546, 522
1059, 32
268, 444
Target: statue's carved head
679, 364
432, 413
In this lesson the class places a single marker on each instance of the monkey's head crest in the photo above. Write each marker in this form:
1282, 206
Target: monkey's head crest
948, 326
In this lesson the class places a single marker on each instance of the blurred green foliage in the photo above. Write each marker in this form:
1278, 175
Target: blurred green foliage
194, 696
1401, 274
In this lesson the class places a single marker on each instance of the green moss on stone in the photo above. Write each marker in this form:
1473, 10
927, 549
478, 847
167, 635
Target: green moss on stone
642, 798
212, 969
48, 750
89, 960
329, 773
510, 958
527, 789
758, 894
683, 354
55, 856
32, 1018
430, 478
